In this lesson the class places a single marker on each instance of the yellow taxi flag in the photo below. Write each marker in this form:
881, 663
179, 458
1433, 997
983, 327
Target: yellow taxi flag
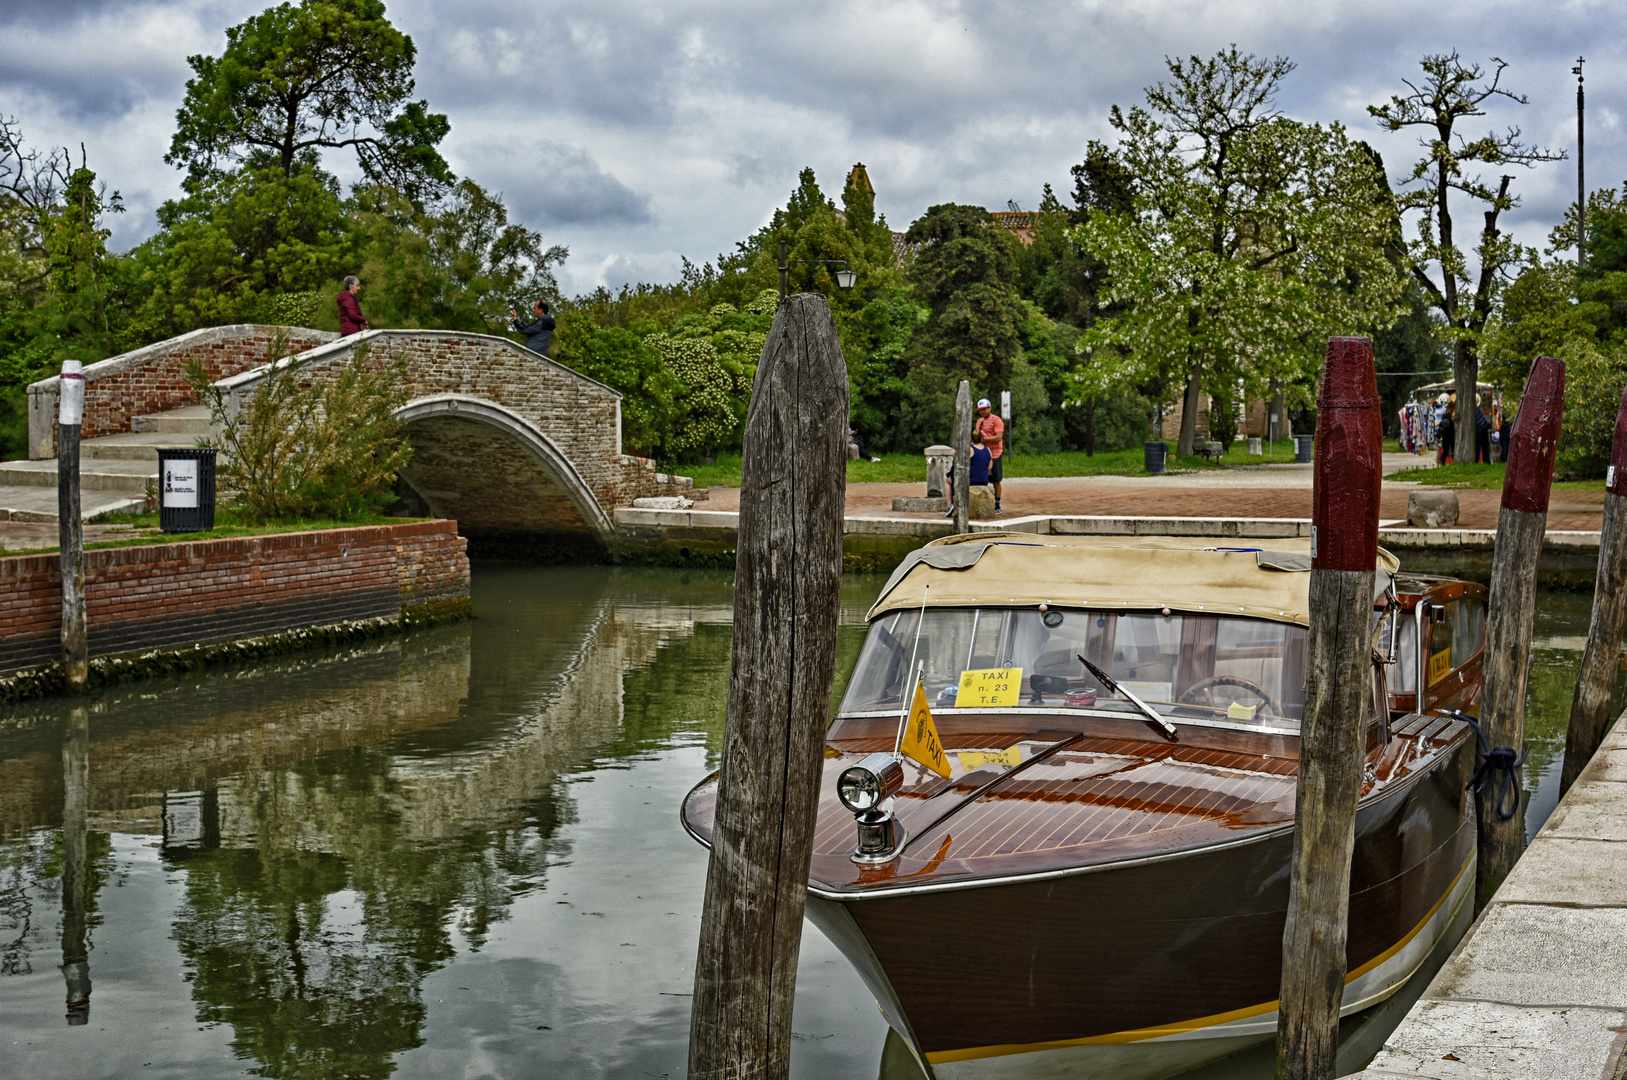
921, 740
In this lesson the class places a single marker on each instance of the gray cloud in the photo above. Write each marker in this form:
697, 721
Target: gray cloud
633, 131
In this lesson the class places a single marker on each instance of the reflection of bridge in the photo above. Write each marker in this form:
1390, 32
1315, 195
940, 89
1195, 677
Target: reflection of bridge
504, 440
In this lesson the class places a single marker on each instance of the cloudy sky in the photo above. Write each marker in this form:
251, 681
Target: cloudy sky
638, 132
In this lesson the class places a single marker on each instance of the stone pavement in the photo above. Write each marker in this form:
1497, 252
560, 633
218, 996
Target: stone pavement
1537, 988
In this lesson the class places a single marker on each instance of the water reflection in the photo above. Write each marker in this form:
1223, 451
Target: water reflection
456, 852
331, 835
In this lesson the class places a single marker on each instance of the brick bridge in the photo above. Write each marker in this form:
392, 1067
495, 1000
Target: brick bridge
504, 440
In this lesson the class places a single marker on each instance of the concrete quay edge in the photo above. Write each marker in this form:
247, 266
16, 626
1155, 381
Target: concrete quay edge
1086, 525
1535, 987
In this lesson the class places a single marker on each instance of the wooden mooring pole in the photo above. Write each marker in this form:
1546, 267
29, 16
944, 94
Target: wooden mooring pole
1338, 699
1509, 610
788, 578
1596, 680
962, 441
70, 529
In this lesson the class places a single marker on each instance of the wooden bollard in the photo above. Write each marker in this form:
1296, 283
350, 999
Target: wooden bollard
961, 439
788, 579
1511, 605
1596, 680
1344, 549
70, 529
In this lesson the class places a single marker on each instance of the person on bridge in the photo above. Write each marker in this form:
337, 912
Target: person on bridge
351, 319
539, 333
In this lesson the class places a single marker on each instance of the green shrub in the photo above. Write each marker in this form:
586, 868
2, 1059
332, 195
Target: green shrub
311, 444
1594, 378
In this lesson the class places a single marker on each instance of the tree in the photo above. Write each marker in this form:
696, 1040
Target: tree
451, 266
962, 271
1451, 92
298, 79
1250, 239
237, 240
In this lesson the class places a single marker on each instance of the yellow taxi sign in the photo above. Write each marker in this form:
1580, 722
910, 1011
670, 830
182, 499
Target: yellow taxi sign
921, 742
989, 687
976, 759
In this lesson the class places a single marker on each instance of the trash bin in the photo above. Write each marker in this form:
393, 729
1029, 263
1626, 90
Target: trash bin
1304, 450
186, 490
1157, 452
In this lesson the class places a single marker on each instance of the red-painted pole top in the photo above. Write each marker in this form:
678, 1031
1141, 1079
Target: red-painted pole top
1348, 471
1615, 480
1535, 440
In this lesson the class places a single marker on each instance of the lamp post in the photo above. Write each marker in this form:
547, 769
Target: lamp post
1581, 174
844, 277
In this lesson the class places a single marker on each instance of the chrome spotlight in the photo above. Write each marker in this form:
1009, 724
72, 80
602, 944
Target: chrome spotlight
862, 789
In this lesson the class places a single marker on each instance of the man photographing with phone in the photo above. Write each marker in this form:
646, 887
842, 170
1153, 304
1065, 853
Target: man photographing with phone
539, 332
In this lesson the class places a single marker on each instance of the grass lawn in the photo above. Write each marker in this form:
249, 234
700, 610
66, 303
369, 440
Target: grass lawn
1481, 478
911, 468
227, 524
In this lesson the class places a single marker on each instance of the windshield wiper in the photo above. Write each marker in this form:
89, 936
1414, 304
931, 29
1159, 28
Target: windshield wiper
1107, 681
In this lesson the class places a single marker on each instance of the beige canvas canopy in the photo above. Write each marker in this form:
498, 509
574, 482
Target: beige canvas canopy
1267, 581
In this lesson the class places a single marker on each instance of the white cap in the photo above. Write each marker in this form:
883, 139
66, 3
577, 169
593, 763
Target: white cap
983, 403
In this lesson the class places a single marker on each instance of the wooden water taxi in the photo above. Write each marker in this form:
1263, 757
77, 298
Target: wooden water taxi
1099, 886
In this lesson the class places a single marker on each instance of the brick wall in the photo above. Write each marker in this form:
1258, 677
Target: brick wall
211, 590
153, 379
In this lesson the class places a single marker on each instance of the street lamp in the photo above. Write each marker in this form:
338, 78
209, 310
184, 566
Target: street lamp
844, 277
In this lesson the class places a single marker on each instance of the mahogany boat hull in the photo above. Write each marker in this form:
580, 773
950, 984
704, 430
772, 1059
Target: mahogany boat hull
1146, 967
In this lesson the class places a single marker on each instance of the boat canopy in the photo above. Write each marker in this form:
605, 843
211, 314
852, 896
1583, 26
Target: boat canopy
1268, 580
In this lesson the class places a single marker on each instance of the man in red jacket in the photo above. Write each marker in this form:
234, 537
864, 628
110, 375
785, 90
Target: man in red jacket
351, 319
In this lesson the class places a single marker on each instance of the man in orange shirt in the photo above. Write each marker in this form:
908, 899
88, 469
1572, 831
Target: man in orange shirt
994, 437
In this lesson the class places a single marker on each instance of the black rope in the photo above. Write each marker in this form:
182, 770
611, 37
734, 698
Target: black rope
1497, 759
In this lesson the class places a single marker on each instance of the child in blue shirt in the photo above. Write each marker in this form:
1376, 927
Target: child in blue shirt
977, 468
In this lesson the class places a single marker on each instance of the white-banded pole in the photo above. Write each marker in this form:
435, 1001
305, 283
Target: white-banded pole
70, 528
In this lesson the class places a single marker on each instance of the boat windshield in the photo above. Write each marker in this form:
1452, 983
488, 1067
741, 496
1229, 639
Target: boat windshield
1189, 665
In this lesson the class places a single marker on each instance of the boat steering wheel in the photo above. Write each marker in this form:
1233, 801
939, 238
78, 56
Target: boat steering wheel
1231, 680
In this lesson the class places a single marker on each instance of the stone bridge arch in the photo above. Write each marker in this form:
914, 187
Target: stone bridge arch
507, 442
494, 471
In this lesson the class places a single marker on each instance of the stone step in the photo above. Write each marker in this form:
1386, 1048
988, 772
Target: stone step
120, 476
38, 503
134, 447
191, 420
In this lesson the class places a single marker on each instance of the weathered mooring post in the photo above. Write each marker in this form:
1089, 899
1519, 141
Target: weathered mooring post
1596, 680
1520, 527
70, 529
788, 577
75, 864
962, 442
1344, 549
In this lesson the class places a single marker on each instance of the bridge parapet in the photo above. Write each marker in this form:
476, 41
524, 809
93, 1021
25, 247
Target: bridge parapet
561, 421
152, 379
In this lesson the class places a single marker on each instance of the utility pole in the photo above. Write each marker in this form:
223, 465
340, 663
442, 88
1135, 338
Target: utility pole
1581, 172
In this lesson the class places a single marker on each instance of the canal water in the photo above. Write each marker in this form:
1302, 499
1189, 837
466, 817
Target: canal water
455, 854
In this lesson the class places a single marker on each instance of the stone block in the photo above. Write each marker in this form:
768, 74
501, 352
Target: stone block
981, 507
908, 504
1478, 1040
663, 502
1255, 446
1432, 509
938, 459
